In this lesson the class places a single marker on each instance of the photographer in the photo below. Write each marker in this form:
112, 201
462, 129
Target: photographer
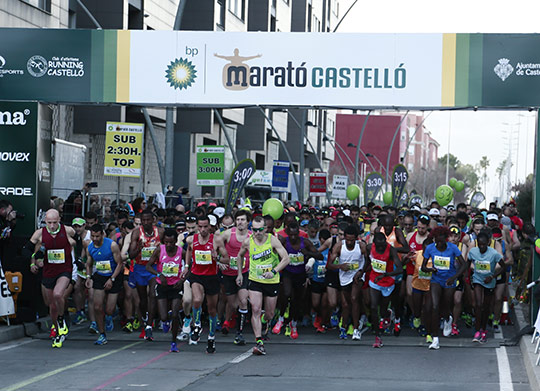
8, 218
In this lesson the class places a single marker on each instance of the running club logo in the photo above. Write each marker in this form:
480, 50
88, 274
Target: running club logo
181, 73
36, 66
503, 69
236, 73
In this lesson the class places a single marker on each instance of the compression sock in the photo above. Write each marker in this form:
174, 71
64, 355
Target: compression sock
197, 315
241, 319
213, 323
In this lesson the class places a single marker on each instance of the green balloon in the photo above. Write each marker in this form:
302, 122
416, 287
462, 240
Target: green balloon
387, 198
452, 182
353, 192
273, 207
460, 185
537, 243
444, 195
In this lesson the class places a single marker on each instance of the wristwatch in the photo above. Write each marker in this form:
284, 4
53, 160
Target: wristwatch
112, 279
274, 271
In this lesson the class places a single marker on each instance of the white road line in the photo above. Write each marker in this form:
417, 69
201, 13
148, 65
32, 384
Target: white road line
505, 377
499, 335
241, 357
16, 344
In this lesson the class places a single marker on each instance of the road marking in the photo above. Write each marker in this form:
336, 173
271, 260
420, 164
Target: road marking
35, 379
118, 377
16, 344
499, 335
241, 357
505, 377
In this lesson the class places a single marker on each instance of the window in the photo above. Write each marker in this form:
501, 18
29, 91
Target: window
272, 23
221, 16
44, 5
238, 8
259, 161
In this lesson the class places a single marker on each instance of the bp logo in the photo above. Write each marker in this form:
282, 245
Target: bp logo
180, 73
37, 66
503, 69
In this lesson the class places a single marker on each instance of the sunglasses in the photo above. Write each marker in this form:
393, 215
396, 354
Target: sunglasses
228, 226
258, 229
191, 218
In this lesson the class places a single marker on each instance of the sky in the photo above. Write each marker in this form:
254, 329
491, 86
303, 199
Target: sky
470, 134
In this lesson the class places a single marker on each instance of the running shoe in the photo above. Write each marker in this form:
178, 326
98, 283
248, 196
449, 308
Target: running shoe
496, 326
259, 349
317, 322
174, 348
186, 327
80, 318
342, 333
195, 335
397, 328
447, 326
109, 325
416, 323
62, 326
57, 341
53, 333
429, 339
468, 319
455, 330
422, 331
287, 310
334, 320
92, 329
166, 326
225, 328
434, 345
148, 333
136, 324
182, 336
219, 326
211, 347
288, 330
477, 336
350, 330
128, 327
142, 334
356, 335
483, 337
277, 327
102, 340
294, 332
239, 339
378, 342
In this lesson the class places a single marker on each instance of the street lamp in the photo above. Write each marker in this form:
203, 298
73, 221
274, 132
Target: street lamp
351, 145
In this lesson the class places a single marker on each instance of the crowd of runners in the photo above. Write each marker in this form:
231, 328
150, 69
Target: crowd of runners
349, 270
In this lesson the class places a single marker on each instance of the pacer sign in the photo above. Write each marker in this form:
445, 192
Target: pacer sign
123, 149
210, 165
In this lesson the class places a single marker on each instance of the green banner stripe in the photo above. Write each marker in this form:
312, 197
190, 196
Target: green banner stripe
96, 87
109, 76
462, 69
476, 52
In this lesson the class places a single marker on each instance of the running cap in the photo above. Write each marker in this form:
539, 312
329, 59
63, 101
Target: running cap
434, 212
213, 220
505, 220
415, 208
492, 216
219, 211
78, 221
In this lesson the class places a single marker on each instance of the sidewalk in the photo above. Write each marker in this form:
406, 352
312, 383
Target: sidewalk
521, 312
13, 332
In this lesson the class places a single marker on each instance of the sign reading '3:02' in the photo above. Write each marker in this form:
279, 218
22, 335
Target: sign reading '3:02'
123, 149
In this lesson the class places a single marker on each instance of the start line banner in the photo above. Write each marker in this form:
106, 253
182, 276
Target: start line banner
208, 69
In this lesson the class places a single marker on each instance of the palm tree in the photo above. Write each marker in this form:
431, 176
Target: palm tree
484, 164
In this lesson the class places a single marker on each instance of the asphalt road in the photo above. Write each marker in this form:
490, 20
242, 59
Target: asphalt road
313, 362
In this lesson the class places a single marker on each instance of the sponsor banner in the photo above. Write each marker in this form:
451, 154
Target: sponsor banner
372, 186
261, 178
477, 198
317, 184
241, 174
339, 186
7, 306
400, 176
123, 149
210, 165
18, 160
280, 175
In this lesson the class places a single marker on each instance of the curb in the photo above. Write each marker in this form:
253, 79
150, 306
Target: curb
527, 349
11, 333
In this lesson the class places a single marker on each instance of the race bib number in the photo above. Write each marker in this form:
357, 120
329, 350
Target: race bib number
482, 266
321, 271
147, 252
170, 269
296, 259
378, 266
354, 265
203, 257
261, 269
103, 266
56, 256
441, 263
233, 263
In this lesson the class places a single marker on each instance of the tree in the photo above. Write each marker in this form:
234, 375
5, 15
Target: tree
524, 198
454, 162
484, 164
